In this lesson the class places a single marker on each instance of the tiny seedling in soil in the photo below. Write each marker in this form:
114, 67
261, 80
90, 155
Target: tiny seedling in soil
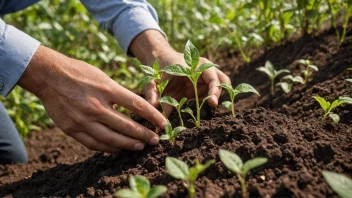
288, 81
178, 105
309, 69
180, 170
340, 183
171, 134
154, 73
190, 112
191, 71
328, 107
269, 70
235, 164
140, 188
241, 88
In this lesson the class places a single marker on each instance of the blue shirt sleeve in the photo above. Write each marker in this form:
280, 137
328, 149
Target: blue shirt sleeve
125, 19
16, 50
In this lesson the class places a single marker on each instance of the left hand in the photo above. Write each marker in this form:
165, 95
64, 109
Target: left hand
179, 87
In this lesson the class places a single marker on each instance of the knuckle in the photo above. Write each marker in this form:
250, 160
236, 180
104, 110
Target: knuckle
91, 145
138, 104
95, 106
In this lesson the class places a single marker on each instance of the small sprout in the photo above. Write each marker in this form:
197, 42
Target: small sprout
241, 88
269, 70
191, 71
180, 170
340, 183
189, 111
140, 188
234, 163
288, 81
178, 105
154, 74
328, 107
171, 134
309, 69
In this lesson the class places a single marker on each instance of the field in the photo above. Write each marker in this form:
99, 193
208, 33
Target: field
285, 128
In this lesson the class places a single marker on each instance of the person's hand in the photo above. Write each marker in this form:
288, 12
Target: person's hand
179, 87
80, 98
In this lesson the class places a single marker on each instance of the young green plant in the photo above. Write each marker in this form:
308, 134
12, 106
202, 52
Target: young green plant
309, 69
340, 183
270, 71
190, 111
328, 107
140, 188
180, 170
241, 88
171, 134
191, 71
288, 81
235, 164
154, 73
178, 105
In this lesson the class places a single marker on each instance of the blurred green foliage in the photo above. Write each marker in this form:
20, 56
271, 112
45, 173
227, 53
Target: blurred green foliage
66, 26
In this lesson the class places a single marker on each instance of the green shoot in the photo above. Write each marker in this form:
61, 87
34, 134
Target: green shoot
269, 70
340, 183
328, 107
191, 71
241, 88
178, 105
171, 134
309, 69
287, 82
348, 6
190, 112
140, 188
180, 170
234, 163
154, 74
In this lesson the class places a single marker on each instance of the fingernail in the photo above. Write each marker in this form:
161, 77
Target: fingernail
154, 141
163, 125
139, 146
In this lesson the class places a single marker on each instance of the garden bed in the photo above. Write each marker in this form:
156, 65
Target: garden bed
286, 129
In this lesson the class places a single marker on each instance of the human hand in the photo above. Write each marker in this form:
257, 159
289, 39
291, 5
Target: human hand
80, 98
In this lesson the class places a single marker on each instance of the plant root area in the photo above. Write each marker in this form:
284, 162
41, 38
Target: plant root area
285, 128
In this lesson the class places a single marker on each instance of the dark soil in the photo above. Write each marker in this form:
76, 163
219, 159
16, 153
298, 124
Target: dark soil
286, 129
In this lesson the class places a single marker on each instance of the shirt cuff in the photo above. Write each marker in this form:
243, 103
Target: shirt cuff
16, 50
131, 23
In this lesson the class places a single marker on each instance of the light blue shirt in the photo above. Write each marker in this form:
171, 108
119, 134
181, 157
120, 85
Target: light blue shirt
125, 19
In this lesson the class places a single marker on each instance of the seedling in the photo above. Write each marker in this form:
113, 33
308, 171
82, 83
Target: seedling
180, 170
178, 105
154, 74
340, 183
234, 163
191, 71
171, 134
190, 111
288, 81
269, 70
241, 88
140, 188
309, 69
328, 107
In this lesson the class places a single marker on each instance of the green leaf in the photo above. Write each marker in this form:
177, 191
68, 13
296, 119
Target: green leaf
313, 67
140, 184
178, 130
145, 80
253, 163
169, 100
245, 88
229, 90
163, 84
281, 71
177, 168
334, 118
269, 66
303, 61
232, 161
323, 103
349, 80
157, 191
156, 66
191, 55
164, 137
205, 99
205, 66
182, 101
340, 183
286, 87
345, 99
187, 110
227, 104
127, 193
176, 70
168, 129
298, 79
266, 71
148, 70
201, 167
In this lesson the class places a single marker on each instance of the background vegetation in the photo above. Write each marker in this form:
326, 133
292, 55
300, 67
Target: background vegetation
212, 25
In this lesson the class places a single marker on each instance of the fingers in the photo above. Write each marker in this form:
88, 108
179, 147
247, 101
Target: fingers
93, 144
210, 76
133, 102
151, 93
168, 109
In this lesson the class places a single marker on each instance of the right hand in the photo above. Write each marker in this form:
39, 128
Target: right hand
80, 98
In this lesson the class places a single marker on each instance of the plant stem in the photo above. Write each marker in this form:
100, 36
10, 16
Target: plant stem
244, 56
179, 115
272, 87
233, 108
191, 190
243, 185
197, 104
347, 16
